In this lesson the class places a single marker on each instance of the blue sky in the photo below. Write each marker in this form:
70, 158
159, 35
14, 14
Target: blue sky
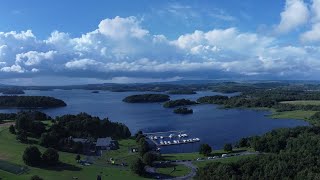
123, 41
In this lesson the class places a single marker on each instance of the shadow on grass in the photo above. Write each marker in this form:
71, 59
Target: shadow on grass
61, 167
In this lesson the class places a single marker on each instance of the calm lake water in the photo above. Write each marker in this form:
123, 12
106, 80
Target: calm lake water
211, 124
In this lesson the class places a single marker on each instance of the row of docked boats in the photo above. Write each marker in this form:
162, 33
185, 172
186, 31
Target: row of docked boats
179, 141
170, 136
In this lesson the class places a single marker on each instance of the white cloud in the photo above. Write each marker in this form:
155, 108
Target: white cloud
121, 47
313, 34
295, 14
32, 58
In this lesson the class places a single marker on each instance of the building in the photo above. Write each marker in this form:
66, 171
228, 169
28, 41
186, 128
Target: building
106, 144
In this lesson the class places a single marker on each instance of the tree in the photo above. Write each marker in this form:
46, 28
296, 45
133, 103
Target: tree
149, 157
78, 157
143, 146
12, 129
23, 123
205, 149
137, 167
22, 136
50, 157
243, 142
35, 177
227, 147
32, 156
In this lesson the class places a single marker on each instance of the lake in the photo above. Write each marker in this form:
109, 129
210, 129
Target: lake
210, 123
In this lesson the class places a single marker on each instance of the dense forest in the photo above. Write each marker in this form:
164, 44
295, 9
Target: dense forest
289, 154
178, 102
29, 124
146, 98
267, 98
182, 91
30, 102
9, 91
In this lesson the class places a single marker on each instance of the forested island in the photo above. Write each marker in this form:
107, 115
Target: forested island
146, 98
30, 102
94, 92
178, 102
182, 91
10, 91
183, 110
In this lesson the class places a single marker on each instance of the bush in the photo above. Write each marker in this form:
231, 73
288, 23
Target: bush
36, 178
227, 147
12, 130
78, 157
50, 157
137, 167
22, 136
205, 149
32, 156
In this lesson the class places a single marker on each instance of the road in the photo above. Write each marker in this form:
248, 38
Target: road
192, 167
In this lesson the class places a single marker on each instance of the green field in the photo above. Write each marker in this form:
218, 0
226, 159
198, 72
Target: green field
11, 151
298, 114
200, 164
194, 156
180, 171
303, 102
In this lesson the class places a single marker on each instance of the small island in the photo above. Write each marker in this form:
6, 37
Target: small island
30, 102
95, 92
182, 91
179, 102
147, 98
12, 91
183, 110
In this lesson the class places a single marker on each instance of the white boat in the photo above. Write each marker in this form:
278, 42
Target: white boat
161, 142
165, 142
161, 137
155, 137
175, 142
169, 142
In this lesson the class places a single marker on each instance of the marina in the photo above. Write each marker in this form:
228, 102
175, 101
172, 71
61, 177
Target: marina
171, 138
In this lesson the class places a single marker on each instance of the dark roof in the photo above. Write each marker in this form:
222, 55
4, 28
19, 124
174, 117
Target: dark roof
104, 141
81, 140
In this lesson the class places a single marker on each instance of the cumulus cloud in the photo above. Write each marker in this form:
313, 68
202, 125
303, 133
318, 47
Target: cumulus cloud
121, 47
295, 14
313, 34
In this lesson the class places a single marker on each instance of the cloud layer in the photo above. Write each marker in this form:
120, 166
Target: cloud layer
121, 47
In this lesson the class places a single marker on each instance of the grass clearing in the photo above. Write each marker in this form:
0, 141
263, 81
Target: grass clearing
12, 150
303, 102
233, 159
298, 114
195, 155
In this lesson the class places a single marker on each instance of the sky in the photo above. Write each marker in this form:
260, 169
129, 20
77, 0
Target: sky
60, 42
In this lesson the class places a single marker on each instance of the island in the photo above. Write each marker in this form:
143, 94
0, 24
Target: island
30, 102
182, 91
95, 92
178, 102
183, 110
146, 98
11, 91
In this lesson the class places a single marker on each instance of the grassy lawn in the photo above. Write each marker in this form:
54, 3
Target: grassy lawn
200, 164
180, 171
298, 114
12, 150
303, 102
195, 155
